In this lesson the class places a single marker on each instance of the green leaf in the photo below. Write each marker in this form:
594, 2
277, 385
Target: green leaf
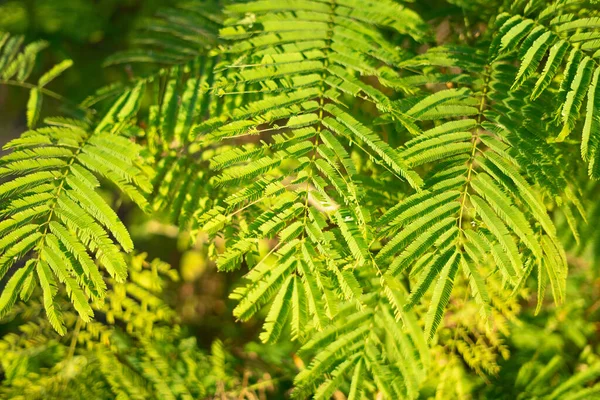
54, 72
13, 287
278, 313
34, 107
441, 295
49, 290
553, 63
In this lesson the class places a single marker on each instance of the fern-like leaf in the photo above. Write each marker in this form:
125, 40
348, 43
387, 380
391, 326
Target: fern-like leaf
52, 213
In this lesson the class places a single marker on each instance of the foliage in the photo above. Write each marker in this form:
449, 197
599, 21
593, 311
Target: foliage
395, 188
139, 352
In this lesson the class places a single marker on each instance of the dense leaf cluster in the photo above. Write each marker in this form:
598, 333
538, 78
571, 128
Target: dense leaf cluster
393, 197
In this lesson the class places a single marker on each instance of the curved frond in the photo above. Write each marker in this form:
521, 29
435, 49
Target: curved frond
477, 203
565, 36
54, 218
295, 150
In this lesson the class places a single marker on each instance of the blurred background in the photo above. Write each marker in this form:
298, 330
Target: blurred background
88, 31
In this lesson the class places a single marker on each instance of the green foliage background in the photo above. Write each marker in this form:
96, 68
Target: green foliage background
182, 338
